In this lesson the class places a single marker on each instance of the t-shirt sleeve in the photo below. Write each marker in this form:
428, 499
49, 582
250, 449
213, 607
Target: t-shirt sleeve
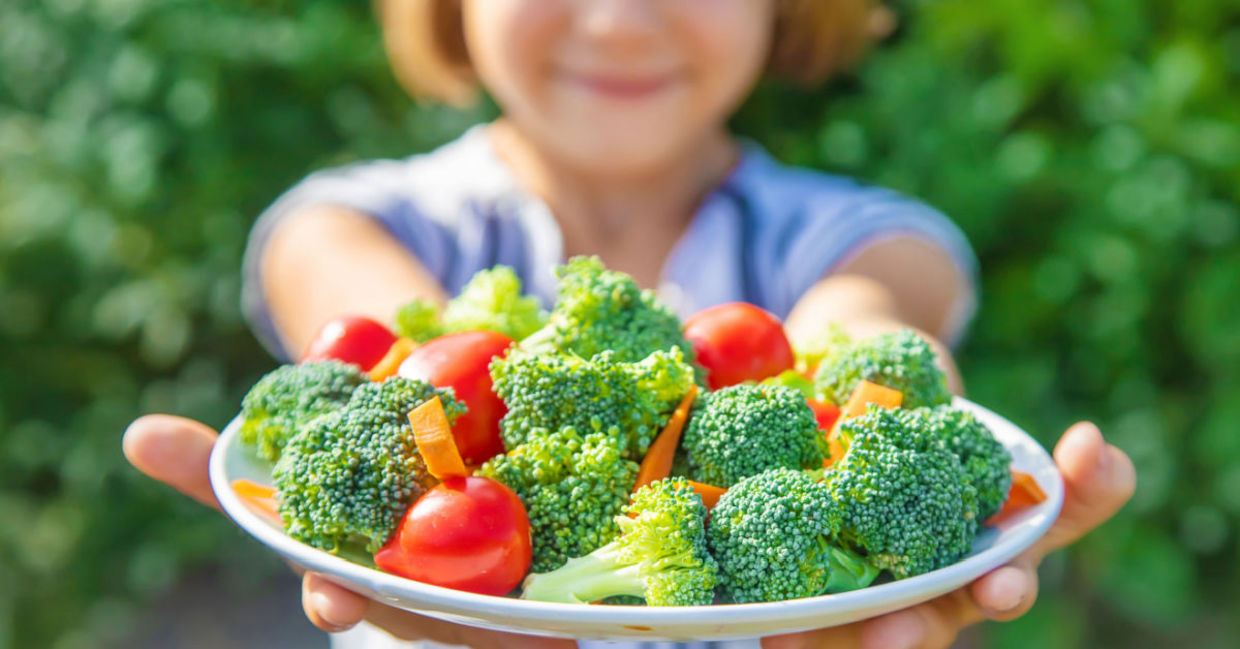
376, 189
834, 230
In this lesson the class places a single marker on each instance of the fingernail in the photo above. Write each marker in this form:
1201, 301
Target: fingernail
1008, 591
323, 607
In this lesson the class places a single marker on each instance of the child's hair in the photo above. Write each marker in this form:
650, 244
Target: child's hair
813, 39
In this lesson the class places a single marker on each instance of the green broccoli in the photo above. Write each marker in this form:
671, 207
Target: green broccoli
419, 320
745, 429
397, 395
901, 361
573, 487
773, 537
904, 501
628, 401
813, 351
289, 397
491, 300
349, 476
985, 460
660, 555
600, 310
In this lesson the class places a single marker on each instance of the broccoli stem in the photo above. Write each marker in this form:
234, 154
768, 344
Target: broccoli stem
849, 571
595, 576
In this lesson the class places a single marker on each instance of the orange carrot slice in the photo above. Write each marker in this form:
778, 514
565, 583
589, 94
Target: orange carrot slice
867, 393
396, 354
433, 435
1025, 492
260, 498
710, 493
657, 464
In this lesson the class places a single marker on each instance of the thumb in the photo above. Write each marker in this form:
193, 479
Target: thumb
1098, 479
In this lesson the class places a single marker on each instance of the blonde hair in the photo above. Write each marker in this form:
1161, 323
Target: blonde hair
425, 41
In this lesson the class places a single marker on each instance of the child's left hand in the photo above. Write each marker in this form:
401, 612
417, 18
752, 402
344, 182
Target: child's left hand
1099, 479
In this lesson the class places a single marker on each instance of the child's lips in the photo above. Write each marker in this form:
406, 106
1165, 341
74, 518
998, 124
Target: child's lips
619, 86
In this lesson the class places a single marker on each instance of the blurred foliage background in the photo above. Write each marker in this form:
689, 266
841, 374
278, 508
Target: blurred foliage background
1090, 149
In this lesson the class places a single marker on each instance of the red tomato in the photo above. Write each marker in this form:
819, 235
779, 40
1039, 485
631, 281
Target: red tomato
470, 534
352, 339
738, 342
825, 413
460, 361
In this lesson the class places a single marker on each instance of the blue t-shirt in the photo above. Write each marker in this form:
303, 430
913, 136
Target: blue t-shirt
766, 235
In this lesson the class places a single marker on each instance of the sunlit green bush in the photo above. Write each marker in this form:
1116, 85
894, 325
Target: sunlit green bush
1090, 148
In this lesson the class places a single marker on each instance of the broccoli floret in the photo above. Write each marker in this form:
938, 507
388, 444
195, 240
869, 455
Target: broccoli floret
419, 320
743, 430
772, 535
904, 500
291, 396
660, 555
349, 476
985, 460
628, 401
491, 300
573, 487
599, 309
901, 361
813, 351
397, 395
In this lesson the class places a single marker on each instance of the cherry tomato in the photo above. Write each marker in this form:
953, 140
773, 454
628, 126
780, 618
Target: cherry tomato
470, 534
460, 361
738, 342
352, 339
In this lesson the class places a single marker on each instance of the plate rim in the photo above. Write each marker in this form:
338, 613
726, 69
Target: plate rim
906, 591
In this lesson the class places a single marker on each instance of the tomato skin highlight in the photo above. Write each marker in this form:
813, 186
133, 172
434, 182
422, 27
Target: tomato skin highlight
461, 361
468, 533
738, 342
351, 339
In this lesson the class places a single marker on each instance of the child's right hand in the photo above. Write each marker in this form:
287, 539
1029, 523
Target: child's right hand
176, 450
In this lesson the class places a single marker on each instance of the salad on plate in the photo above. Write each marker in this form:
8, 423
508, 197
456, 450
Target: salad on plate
605, 453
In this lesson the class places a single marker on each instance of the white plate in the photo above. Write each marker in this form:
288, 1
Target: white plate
231, 460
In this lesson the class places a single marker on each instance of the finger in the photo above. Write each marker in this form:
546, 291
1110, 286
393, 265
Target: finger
1008, 592
932, 625
175, 451
1098, 480
411, 626
840, 637
330, 607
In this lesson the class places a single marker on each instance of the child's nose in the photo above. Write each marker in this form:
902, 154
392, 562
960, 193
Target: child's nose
624, 20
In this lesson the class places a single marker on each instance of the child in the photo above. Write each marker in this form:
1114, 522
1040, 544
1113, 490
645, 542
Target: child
613, 142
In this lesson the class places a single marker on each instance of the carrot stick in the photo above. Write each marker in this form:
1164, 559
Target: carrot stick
657, 464
866, 393
396, 354
433, 435
260, 498
1025, 492
710, 493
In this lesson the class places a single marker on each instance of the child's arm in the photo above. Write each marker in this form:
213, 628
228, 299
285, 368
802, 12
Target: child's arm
899, 282
331, 261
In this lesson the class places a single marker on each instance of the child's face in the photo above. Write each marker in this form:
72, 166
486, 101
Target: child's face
618, 86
